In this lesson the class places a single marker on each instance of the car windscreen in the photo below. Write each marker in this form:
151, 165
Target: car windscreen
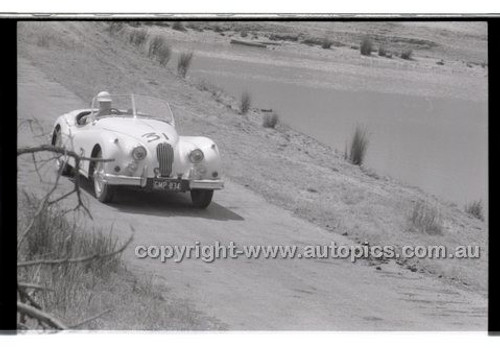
133, 106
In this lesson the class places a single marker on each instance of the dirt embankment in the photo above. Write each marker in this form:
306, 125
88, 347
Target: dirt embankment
288, 168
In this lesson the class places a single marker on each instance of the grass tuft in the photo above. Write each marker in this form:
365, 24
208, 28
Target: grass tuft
407, 54
179, 26
159, 50
326, 44
270, 120
382, 51
366, 47
475, 209
246, 101
358, 147
138, 37
426, 219
115, 28
53, 236
184, 63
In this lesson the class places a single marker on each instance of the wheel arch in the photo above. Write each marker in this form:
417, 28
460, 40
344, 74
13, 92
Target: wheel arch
57, 128
95, 150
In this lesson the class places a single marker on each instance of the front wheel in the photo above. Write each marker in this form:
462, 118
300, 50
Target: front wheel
103, 191
201, 198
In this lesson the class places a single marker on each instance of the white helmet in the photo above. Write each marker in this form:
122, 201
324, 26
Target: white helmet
103, 97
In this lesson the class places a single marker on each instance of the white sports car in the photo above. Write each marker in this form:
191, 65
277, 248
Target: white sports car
138, 133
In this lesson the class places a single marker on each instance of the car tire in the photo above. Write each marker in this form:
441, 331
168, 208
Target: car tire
61, 165
201, 198
103, 192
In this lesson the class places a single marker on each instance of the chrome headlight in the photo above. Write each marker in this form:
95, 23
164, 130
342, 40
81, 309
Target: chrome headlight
139, 153
196, 156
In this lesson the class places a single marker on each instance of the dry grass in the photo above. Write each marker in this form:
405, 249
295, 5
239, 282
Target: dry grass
159, 50
326, 44
382, 51
54, 236
138, 37
475, 209
245, 103
407, 54
366, 47
426, 219
184, 63
359, 145
179, 26
270, 120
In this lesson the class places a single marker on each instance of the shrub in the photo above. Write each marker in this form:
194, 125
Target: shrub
426, 219
406, 54
366, 47
179, 26
382, 51
270, 120
359, 145
475, 209
137, 37
184, 63
115, 27
163, 55
154, 45
159, 50
245, 103
244, 33
326, 44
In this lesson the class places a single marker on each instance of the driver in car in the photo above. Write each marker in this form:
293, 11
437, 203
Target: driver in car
104, 100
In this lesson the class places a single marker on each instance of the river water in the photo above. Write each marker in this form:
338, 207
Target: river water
437, 144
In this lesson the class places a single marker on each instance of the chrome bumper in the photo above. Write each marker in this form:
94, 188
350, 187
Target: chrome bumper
112, 179
206, 184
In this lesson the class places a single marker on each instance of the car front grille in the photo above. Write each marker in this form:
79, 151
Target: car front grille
165, 155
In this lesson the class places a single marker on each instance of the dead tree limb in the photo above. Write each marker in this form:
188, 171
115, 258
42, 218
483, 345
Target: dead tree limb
33, 286
90, 319
41, 316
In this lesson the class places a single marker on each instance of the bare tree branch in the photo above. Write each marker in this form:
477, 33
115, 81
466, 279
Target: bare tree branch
75, 260
60, 150
90, 319
40, 316
33, 286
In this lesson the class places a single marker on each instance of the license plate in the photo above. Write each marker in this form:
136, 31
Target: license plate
169, 185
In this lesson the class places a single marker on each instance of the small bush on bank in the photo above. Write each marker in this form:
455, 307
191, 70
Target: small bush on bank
366, 47
245, 103
270, 120
382, 51
159, 50
426, 219
475, 209
326, 44
184, 63
358, 147
179, 26
407, 54
115, 27
138, 37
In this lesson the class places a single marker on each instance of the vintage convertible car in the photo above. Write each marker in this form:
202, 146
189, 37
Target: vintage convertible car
138, 133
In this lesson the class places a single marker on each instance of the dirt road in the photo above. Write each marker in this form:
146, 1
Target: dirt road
253, 294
